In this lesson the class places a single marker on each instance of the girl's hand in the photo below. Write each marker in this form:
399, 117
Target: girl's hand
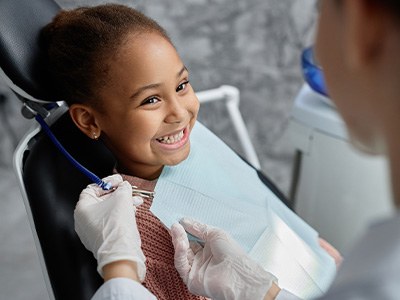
331, 251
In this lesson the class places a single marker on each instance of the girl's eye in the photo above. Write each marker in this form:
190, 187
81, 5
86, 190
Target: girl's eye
182, 86
151, 100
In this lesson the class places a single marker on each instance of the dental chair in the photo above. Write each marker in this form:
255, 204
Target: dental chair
49, 184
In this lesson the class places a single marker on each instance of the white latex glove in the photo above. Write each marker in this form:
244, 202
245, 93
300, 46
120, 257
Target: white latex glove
221, 270
106, 224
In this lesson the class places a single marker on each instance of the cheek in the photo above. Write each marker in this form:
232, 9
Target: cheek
194, 105
145, 125
327, 34
328, 52
323, 46
132, 127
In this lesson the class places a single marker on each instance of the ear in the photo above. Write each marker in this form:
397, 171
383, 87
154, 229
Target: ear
365, 24
84, 118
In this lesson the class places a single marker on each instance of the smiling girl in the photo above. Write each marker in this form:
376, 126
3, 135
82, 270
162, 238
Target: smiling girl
126, 85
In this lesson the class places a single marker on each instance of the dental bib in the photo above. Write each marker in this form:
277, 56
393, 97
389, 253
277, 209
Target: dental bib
215, 186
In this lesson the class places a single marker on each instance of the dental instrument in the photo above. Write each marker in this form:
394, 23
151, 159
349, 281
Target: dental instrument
93, 177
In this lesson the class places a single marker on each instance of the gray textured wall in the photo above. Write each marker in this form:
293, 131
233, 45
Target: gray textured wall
252, 44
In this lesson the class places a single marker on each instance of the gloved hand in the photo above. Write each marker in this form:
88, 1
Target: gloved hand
221, 269
106, 224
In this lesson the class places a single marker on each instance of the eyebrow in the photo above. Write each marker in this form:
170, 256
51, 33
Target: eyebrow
155, 85
181, 71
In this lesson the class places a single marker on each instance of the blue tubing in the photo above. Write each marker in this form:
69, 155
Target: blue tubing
104, 185
312, 72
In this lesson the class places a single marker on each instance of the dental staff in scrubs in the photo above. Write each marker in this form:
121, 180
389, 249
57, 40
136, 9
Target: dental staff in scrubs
358, 47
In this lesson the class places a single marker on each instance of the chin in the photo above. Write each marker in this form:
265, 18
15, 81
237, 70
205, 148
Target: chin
177, 160
370, 147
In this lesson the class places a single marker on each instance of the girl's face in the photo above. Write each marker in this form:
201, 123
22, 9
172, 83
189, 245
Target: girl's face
148, 107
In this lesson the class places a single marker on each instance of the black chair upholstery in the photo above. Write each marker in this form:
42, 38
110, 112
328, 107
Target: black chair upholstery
20, 59
51, 183
53, 186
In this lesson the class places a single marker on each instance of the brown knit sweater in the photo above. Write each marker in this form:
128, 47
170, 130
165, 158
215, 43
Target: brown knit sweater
162, 279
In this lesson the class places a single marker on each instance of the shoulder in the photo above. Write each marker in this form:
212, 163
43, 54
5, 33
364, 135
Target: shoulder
372, 268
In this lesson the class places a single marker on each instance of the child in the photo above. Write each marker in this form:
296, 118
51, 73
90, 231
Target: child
126, 85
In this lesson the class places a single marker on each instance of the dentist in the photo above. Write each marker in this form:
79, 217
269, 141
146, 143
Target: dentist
358, 45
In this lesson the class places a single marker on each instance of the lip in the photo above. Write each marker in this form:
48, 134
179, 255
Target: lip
179, 144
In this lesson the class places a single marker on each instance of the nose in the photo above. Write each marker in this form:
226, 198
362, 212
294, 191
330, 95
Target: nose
176, 111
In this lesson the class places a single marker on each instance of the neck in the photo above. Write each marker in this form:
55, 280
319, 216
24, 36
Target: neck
144, 173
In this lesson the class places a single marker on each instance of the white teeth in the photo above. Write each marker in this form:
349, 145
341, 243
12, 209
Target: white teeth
171, 139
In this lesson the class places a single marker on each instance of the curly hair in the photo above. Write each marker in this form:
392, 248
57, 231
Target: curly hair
79, 44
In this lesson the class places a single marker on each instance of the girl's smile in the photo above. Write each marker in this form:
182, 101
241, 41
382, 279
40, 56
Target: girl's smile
175, 140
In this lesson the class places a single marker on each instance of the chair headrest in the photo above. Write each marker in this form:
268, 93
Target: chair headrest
20, 58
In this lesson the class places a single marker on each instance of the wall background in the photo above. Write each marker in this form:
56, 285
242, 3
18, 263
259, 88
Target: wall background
254, 45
